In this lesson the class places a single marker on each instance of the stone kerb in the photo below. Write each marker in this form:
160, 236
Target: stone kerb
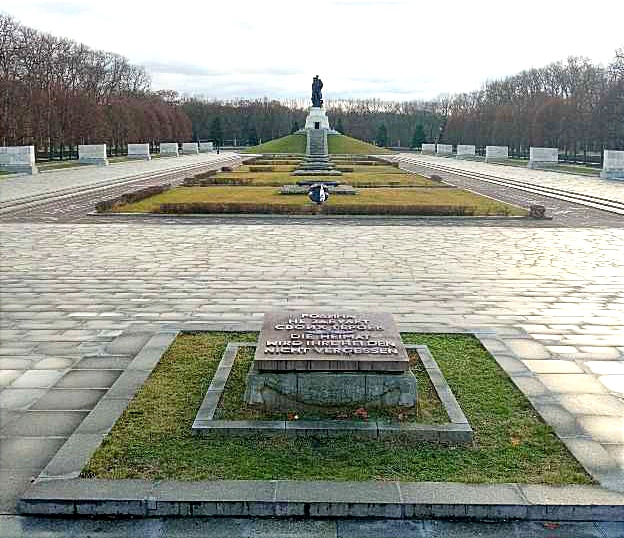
496, 153
444, 149
541, 157
428, 148
613, 167
465, 151
206, 147
92, 154
190, 148
169, 148
18, 159
139, 151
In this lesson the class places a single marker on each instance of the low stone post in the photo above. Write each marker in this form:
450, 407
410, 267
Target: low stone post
613, 165
169, 149
444, 149
466, 151
428, 148
139, 151
190, 148
18, 159
92, 154
205, 147
543, 157
496, 153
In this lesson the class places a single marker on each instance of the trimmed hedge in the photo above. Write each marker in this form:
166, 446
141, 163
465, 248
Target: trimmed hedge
261, 169
131, 197
277, 209
211, 181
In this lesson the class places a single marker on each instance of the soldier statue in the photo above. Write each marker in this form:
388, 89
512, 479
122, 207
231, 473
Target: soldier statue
317, 96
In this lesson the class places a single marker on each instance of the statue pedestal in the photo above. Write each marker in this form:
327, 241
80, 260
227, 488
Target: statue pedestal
317, 119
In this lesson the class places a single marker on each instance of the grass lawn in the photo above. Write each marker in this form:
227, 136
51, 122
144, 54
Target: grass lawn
398, 197
153, 439
353, 146
295, 143
362, 176
428, 411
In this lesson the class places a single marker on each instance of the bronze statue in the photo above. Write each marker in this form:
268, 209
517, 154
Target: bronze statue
317, 96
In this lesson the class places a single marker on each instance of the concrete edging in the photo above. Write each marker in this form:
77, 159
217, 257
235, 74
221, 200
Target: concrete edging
59, 491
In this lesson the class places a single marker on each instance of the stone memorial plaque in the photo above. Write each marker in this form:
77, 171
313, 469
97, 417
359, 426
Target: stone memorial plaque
330, 341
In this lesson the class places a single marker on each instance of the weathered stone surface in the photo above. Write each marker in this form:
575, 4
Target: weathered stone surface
283, 390
330, 341
189, 148
495, 153
139, 151
92, 154
18, 159
169, 148
444, 149
613, 166
206, 147
540, 157
428, 148
466, 150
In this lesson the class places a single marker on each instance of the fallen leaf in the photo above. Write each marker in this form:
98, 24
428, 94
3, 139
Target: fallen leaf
551, 525
361, 413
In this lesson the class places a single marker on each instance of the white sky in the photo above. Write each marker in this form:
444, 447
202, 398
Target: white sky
397, 49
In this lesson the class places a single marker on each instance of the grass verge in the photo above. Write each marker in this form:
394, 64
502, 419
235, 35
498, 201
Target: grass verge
153, 439
295, 143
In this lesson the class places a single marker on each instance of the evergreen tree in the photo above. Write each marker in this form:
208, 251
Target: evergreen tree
382, 135
216, 131
419, 137
294, 127
252, 136
339, 126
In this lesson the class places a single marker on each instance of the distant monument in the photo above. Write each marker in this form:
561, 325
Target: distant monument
317, 96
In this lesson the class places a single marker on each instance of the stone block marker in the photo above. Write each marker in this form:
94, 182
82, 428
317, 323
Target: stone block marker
169, 148
190, 148
496, 153
613, 166
444, 149
205, 147
541, 157
92, 154
465, 151
139, 151
18, 159
428, 148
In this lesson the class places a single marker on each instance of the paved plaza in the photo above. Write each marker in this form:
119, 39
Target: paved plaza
79, 299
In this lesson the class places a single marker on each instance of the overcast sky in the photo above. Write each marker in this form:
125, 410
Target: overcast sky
397, 49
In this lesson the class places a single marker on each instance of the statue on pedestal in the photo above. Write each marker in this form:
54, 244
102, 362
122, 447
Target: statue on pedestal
317, 96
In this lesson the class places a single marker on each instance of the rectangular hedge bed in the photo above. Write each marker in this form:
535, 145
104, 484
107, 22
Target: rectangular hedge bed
267, 200
153, 438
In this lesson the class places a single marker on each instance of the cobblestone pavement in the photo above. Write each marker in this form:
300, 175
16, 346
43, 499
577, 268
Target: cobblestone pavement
69, 291
16, 187
604, 188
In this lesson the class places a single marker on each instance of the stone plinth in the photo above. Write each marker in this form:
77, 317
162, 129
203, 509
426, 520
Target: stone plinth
330, 341
444, 149
466, 151
300, 390
18, 159
190, 148
92, 154
543, 157
205, 147
169, 149
496, 153
613, 167
317, 119
139, 151
428, 148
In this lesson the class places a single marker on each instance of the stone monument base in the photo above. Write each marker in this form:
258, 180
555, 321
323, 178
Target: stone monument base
289, 391
612, 174
317, 119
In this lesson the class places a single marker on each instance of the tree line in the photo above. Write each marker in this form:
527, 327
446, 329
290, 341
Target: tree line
575, 105
56, 93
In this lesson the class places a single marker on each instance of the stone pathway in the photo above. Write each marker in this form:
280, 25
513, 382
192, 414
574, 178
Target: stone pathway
555, 295
610, 189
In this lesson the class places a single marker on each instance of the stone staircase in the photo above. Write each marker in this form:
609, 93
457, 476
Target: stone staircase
316, 162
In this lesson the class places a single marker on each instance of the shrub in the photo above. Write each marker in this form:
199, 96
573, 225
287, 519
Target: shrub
261, 169
131, 197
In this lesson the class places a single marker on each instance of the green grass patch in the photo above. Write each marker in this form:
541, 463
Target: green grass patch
353, 146
449, 201
153, 439
428, 411
295, 143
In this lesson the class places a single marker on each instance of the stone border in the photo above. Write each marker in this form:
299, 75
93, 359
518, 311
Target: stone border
59, 491
456, 432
